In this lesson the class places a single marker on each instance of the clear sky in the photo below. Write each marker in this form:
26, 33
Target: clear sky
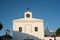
48, 10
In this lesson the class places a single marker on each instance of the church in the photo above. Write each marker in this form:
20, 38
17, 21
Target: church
29, 28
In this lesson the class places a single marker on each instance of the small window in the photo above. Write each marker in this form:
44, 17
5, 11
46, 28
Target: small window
36, 29
20, 29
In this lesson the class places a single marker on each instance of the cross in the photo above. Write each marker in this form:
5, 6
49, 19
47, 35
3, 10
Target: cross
27, 9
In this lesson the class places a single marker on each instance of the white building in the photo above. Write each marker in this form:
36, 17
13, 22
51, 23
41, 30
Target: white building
29, 28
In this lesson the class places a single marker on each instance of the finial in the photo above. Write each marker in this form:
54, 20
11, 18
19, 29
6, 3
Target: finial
27, 9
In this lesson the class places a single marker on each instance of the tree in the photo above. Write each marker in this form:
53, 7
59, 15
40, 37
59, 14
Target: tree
58, 32
1, 26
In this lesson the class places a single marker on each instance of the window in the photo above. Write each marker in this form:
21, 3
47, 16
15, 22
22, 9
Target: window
28, 15
20, 29
36, 29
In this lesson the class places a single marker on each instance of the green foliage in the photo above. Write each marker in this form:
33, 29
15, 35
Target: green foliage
1, 26
58, 32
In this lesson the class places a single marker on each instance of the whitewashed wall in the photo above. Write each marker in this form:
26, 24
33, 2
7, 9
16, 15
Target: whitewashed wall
48, 38
28, 28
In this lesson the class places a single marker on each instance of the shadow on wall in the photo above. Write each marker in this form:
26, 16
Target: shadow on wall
23, 36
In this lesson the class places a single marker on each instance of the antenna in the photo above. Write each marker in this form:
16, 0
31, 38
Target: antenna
47, 28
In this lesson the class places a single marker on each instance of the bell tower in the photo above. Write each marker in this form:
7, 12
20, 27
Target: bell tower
28, 14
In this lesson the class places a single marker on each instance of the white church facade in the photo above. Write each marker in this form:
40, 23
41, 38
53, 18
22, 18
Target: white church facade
29, 28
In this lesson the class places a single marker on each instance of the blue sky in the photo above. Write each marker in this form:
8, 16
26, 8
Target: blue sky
48, 10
